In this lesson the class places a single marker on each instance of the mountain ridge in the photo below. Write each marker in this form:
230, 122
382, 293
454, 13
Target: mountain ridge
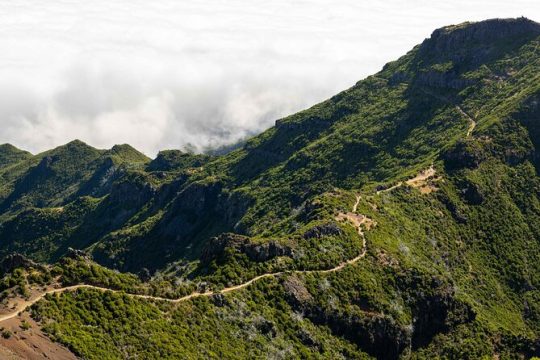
442, 146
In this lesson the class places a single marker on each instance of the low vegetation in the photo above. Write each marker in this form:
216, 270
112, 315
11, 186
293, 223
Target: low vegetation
452, 272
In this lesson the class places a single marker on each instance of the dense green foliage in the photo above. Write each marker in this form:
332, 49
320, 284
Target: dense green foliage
452, 272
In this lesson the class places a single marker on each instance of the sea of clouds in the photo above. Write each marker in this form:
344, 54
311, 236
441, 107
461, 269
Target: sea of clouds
196, 74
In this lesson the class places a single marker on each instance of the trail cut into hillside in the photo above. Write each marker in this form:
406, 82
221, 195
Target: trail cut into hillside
358, 221
423, 182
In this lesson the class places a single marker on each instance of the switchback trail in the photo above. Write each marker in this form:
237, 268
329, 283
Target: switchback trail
356, 220
472, 121
426, 174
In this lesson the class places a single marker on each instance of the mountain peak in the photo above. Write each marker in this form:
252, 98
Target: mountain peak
466, 46
416, 189
77, 143
128, 152
8, 148
487, 33
494, 28
10, 154
73, 146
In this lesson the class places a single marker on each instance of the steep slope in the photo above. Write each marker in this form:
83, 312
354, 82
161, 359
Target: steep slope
71, 177
10, 155
439, 151
388, 126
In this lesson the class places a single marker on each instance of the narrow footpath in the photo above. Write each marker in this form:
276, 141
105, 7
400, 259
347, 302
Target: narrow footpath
356, 220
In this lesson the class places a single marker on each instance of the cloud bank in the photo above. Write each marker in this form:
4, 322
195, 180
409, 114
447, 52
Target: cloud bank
172, 74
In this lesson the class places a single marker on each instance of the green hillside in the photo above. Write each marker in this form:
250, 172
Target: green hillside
10, 155
397, 219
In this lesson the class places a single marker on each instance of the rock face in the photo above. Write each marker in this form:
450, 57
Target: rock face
131, 193
440, 79
529, 116
447, 53
438, 313
485, 36
434, 307
376, 334
232, 206
13, 261
472, 193
266, 251
190, 209
76, 254
465, 154
435, 310
217, 246
297, 293
102, 180
320, 231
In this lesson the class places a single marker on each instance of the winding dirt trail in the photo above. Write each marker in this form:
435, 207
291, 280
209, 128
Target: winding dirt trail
419, 181
472, 122
421, 178
399, 184
356, 220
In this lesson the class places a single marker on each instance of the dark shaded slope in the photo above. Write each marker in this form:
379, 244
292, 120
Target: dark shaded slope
451, 272
386, 127
51, 181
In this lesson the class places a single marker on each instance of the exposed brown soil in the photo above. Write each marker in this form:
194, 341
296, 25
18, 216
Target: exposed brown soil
425, 182
31, 344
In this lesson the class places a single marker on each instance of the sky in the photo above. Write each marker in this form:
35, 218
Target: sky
182, 74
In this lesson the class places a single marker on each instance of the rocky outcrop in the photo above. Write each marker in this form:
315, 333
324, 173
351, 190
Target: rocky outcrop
438, 313
434, 306
378, 335
529, 116
217, 246
454, 209
320, 231
456, 42
472, 193
466, 154
131, 193
14, 261
296, 292
232, 207
77, 254
266, 251
432, 303
399, 77
102, 180
192, 206
454, 50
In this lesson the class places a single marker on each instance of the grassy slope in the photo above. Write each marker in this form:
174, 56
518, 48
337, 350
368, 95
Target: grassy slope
453, 273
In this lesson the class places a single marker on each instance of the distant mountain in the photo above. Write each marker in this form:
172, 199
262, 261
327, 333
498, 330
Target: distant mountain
438, 153
10, 155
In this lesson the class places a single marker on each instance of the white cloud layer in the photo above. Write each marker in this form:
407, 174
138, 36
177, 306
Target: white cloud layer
165, 74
